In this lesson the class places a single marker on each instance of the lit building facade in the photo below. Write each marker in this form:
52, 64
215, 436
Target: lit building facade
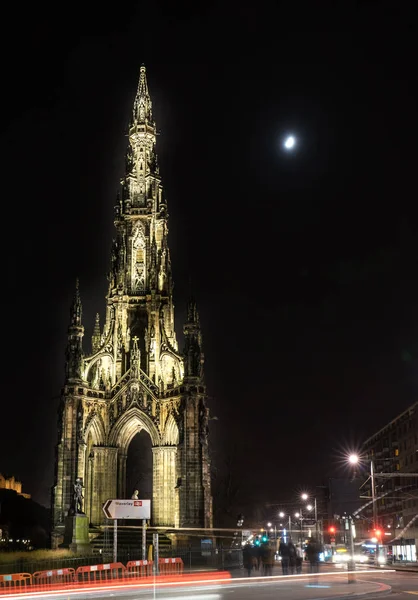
135, 377
10, 483
394, 450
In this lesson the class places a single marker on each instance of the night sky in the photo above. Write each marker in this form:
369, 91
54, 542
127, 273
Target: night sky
303, 264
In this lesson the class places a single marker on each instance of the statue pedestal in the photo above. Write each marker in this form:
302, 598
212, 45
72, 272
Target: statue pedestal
76, 536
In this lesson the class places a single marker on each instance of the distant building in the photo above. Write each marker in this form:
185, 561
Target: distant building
12, 484
394, 452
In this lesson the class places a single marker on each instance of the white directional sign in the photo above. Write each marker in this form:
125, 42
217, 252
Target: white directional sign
127, 509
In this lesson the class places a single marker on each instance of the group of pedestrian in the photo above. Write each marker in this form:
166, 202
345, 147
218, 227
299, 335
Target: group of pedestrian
291, 557
257, 557
313, 551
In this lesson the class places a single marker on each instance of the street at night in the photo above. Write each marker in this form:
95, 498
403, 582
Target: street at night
210, 300
327, 586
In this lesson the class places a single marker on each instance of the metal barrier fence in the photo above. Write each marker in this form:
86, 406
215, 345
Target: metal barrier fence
30, 565
170, 566
139, 568
193, 558
106, 572
15, 582
88, 574
54, 576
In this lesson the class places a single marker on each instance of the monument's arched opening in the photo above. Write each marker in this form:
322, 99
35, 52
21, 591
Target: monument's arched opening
139, 466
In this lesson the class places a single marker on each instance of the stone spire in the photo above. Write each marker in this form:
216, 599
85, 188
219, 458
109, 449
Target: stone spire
193, 350
95, 338
76, 310
142, 106
74, 350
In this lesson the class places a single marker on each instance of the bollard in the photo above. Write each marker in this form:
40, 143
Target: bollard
351, 566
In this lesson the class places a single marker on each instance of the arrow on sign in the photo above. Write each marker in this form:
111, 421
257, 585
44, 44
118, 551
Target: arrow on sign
127, 509
106, 508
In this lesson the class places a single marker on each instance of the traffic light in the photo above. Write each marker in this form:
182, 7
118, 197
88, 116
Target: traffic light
331, 529
264, 539
257, 542
377, 533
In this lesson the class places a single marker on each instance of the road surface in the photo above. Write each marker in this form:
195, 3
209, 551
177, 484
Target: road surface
370, 585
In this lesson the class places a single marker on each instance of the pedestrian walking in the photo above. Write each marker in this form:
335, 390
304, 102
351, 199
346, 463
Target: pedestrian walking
284, 554
299, 559
292, 556
313, 550
247, 559
267, 557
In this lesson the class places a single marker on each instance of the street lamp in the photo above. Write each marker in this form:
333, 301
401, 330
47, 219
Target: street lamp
282, 515
354, 459
305, 496
300, 515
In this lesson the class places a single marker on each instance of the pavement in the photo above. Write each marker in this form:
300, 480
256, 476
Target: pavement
411, 567
311, 586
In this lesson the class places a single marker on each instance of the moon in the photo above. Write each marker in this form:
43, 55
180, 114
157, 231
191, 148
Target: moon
289, 142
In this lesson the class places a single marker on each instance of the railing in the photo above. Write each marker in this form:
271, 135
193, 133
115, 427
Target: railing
54, 576
15, 582
88, 574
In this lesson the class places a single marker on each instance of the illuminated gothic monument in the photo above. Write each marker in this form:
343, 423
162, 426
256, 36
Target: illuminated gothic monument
135, 377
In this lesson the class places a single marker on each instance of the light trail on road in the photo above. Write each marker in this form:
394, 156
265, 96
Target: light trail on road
300, 587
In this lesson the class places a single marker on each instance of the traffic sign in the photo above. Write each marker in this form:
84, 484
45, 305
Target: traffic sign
127, 509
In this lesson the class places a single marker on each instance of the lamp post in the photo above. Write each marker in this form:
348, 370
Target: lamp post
306, 497
354, 459
282, 515
300, 515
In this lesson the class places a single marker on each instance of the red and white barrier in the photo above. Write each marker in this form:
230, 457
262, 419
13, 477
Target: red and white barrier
54, 576
15, 581
170, 566
139, 568
104, 572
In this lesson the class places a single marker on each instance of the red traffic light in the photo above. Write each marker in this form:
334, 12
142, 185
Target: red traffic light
377, 532
331, 529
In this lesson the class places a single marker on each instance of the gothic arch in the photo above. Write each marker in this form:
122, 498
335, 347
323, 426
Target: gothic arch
95, 427
138, 237
99, 355
171, 432
128, 425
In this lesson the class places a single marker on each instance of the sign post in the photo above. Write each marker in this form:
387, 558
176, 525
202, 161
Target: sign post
156, 553
115, 541
351, 565
128, 509
144, 539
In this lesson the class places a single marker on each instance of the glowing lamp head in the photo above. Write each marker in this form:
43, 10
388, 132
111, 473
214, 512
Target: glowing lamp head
353, 459
289, 142
281, 515
304, 496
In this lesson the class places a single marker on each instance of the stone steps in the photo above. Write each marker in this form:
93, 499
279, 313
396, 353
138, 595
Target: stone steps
129, 543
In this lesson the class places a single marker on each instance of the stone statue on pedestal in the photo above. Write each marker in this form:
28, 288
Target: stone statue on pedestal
76, 535
77, 503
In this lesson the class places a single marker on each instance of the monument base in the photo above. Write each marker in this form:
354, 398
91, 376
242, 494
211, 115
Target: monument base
76, 536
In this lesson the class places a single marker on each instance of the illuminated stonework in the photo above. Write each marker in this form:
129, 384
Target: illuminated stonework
136, 378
